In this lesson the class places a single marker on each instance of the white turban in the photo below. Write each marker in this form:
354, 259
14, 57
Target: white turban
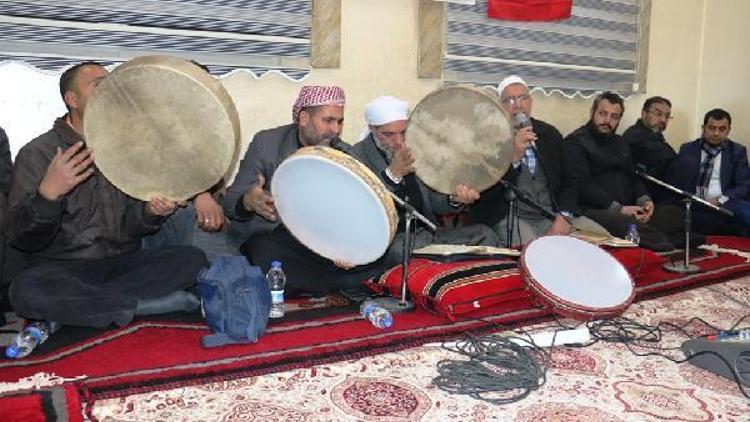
384, 110
510, 80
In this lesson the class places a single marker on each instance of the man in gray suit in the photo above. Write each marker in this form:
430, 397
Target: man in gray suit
383, 149
318, 116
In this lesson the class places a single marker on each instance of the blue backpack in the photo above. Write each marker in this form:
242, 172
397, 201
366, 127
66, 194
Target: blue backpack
236, 301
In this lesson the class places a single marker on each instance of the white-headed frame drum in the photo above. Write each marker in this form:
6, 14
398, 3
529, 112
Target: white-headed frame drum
576, 278
334, 205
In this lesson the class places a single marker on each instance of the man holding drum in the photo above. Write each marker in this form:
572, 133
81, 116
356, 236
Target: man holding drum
318, 117
83, 234
383, 149
539, 170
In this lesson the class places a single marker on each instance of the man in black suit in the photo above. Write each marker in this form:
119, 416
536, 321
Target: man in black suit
539, 170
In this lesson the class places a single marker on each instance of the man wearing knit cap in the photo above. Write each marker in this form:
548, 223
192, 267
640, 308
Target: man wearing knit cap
539, 170
318, 116
383, 149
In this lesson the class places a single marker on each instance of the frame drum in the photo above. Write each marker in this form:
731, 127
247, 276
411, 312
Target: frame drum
334, 205
162, 125
577, 279
460, 135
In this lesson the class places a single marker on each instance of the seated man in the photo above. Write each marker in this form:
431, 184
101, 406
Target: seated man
539, 170
609, 191
384, 151
83, 234
648, 146
318, 116
199, 224
715, 168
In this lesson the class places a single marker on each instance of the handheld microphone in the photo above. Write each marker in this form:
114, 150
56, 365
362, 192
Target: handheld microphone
520, 121
338, 144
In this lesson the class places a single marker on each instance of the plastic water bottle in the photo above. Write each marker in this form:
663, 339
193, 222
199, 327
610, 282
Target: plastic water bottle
276, 281
27, 340
378, 316
632, 235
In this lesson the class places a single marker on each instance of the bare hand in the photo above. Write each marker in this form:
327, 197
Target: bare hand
645, 215
464, 194
66, 171
631, 210
159, 205
259, 201
209, 214
522, 141
403, 163
560, 226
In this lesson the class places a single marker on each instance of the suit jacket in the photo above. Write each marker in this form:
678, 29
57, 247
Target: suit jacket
492, 206
367, 152
734, 172
266, 151
603, 169
648, 148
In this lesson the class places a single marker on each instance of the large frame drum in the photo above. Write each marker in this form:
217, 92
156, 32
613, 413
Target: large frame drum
334, 205
575, 278
160, 125
460, 135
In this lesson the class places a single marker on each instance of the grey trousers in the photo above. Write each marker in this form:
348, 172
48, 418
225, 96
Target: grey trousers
472, 235
526, 230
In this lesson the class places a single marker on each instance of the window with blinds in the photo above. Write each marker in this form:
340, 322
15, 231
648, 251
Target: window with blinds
258, 35
595, 50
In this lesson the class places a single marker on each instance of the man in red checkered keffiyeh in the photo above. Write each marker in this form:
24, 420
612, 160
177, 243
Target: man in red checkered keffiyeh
318, 116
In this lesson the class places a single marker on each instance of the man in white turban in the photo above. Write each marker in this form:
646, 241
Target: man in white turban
383, 149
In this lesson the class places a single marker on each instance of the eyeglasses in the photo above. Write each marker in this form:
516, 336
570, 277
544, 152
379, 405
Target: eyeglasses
515, 99
659, 114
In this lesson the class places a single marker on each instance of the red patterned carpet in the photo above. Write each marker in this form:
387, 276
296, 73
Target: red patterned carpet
599, 383
151, 356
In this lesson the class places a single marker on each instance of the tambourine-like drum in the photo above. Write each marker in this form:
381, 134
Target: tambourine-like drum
162, 125
460, 135
575, 278
334, 205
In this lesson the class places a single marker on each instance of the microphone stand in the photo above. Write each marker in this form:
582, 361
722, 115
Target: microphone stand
510, 196
687, 198
525, 198
410, 213
390, 303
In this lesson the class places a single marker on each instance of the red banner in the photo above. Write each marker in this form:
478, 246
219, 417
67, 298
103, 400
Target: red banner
529, 10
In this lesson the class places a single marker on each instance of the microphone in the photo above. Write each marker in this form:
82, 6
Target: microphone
520, 121
339, 145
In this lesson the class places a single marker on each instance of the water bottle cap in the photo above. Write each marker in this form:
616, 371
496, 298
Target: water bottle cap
276, 264
11, 351
631, 226
387, 320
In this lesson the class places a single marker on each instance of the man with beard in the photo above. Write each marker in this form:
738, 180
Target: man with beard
318, 117
383, 150
715, 168
647, 144
609, 192
539, 170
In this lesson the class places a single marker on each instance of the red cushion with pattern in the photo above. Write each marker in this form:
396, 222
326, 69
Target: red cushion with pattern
455, 288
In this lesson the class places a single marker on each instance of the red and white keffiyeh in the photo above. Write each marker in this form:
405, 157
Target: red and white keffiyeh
317, 95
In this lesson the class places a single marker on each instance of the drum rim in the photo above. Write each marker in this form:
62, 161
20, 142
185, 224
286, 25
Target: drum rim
566, 307
383, 214
212, 86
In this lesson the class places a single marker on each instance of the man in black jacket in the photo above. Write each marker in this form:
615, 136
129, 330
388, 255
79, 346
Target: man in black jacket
83, 234
539, 170
648, 146
609, 191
